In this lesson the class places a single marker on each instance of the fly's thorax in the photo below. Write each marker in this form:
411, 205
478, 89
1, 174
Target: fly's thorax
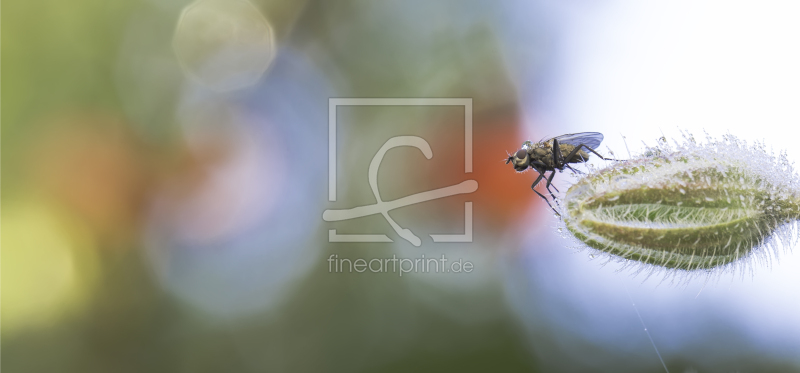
541, 154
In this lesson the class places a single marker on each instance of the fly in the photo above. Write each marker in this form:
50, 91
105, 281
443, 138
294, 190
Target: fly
548, 155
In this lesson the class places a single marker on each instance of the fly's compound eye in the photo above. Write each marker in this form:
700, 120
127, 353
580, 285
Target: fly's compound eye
521, 154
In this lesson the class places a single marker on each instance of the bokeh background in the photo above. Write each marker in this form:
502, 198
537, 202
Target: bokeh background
164, 173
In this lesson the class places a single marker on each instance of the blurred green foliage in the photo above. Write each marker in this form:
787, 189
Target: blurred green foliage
61, 57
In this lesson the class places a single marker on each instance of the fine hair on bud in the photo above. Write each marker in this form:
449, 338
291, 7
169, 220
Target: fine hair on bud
688, 206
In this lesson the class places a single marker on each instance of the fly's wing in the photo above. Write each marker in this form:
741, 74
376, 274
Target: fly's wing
590, 139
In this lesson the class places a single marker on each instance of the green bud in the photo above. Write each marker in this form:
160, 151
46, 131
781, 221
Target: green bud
697, 207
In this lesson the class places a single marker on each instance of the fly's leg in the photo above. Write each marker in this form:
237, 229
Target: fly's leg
554, 186
539, 165
548, 185
558, 159
558, 162
573, 170
550, 181
533, 187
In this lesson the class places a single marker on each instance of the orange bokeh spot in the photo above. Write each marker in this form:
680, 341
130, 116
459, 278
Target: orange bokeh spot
504, 199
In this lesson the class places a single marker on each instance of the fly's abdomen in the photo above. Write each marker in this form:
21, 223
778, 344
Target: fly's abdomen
580, 156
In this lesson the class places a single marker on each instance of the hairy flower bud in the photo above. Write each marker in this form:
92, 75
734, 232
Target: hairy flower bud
695, 207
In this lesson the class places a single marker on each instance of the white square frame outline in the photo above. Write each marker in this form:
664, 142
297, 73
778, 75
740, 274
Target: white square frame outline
333, 103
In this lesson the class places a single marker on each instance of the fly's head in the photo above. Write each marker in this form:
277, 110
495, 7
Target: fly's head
521, 159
